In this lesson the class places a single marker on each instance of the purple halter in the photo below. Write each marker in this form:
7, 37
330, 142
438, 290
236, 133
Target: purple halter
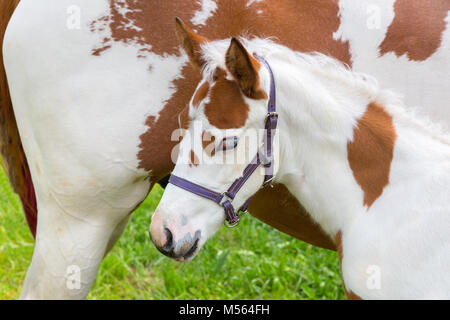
266, 159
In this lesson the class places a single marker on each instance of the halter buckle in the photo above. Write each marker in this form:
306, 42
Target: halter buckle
239, 214
272, 114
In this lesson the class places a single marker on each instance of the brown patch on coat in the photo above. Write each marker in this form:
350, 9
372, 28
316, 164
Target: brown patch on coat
208, 143
338, 241
219, 73
14, 159
305, 26
200, 94
371, 152
156, 144
351, 295
145, 22
193, 159
226, 107
417, 28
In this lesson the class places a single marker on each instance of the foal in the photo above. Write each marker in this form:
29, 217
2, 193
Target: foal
374, 177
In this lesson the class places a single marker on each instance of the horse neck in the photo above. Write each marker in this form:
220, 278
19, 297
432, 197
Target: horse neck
317, 120
337, 142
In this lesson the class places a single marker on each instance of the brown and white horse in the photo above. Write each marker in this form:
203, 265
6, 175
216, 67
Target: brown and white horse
99, 86
368, 170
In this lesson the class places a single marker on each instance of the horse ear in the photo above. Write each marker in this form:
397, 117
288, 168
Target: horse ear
191, 42
244, 69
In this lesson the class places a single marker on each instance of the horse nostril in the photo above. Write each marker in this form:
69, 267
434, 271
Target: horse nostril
180, 250
168, 246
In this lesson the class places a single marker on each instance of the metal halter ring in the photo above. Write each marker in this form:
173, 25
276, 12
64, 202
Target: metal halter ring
239, 214
231, 225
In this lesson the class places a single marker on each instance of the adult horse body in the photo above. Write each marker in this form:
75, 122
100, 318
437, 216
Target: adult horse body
97, 87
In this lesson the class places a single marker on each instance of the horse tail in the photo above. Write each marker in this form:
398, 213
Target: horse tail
11, 149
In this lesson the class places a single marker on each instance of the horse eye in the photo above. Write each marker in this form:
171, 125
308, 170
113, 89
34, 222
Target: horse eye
229, 143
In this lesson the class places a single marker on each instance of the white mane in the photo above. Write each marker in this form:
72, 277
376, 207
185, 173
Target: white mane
214, 54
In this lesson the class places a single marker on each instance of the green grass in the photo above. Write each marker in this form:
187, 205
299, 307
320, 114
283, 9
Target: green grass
253, 261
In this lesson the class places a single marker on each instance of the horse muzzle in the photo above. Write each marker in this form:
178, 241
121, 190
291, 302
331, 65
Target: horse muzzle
175, 241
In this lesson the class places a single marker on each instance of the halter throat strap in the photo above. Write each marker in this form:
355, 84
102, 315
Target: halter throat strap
265, 158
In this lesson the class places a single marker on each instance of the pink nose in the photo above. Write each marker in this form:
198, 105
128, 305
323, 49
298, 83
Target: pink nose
159, 238
180, 246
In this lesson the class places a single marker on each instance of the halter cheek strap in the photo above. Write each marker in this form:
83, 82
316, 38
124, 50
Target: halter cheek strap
270, 125
266, 158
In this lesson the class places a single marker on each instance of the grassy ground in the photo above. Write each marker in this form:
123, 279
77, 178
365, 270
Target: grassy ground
252, 261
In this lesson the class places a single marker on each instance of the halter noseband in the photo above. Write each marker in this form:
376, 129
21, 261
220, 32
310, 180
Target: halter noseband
266, 159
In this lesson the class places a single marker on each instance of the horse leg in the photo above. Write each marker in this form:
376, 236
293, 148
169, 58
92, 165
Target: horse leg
66, 258
74, 233
117, 233
120, 228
